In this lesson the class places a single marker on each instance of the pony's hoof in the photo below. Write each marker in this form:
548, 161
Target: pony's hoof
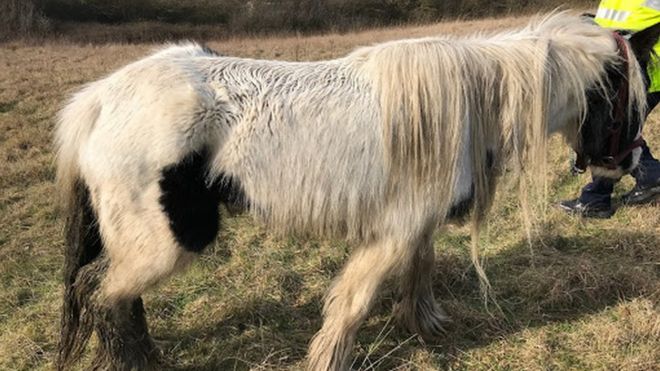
328, 352
426, 319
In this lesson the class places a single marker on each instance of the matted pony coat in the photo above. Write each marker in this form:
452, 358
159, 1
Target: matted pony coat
379, 147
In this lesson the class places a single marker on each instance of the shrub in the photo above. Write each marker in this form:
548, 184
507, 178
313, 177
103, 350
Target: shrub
24, 17
20, 18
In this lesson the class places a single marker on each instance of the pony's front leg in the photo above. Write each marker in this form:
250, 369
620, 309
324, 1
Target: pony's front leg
349, 301
417, 309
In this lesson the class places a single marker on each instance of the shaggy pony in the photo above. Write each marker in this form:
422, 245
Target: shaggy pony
379, 147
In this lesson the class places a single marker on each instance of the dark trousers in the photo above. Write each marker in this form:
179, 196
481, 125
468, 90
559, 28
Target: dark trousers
647, 173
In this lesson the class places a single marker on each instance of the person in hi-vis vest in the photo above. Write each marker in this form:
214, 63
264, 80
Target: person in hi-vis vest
595, 199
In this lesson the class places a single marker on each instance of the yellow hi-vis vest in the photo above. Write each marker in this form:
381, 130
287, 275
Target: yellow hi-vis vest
633, 15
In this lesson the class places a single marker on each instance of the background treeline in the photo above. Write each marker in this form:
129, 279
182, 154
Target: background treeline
52, 17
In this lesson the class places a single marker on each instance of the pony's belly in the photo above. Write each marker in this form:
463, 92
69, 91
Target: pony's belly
316, 177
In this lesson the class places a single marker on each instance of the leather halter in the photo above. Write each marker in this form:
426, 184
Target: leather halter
615, 157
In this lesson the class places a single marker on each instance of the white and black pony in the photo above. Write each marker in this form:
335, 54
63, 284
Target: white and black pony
379, 147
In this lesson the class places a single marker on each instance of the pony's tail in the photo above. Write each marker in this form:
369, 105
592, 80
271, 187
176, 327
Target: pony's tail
74, 125
82, 265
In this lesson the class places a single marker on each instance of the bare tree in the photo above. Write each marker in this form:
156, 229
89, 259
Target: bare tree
20, 18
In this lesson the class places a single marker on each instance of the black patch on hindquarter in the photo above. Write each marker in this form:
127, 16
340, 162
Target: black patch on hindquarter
190, 203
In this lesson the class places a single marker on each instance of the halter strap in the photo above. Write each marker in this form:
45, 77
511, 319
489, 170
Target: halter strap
623, 154
621, 100
622, 94
615, 157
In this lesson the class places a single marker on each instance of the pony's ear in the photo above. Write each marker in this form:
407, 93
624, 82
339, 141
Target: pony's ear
642, 43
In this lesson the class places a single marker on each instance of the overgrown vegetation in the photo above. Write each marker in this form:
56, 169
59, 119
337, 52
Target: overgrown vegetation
230, 17
21, 18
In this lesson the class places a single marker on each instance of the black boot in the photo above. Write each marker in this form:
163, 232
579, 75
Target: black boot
647, 175
594, 201
587, 210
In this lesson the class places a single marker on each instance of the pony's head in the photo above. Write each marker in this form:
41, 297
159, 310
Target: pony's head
610, 137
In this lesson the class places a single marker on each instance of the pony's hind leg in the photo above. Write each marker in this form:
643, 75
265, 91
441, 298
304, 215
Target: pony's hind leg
148, 237
124, 340
133, 265
349, 301
417, 309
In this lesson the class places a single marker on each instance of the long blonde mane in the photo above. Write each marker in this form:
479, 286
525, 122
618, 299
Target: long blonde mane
506, 87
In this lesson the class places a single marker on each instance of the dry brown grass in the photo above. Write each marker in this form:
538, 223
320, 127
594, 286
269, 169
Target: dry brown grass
586, 299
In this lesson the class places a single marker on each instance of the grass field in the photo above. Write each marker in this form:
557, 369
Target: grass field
586, 296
